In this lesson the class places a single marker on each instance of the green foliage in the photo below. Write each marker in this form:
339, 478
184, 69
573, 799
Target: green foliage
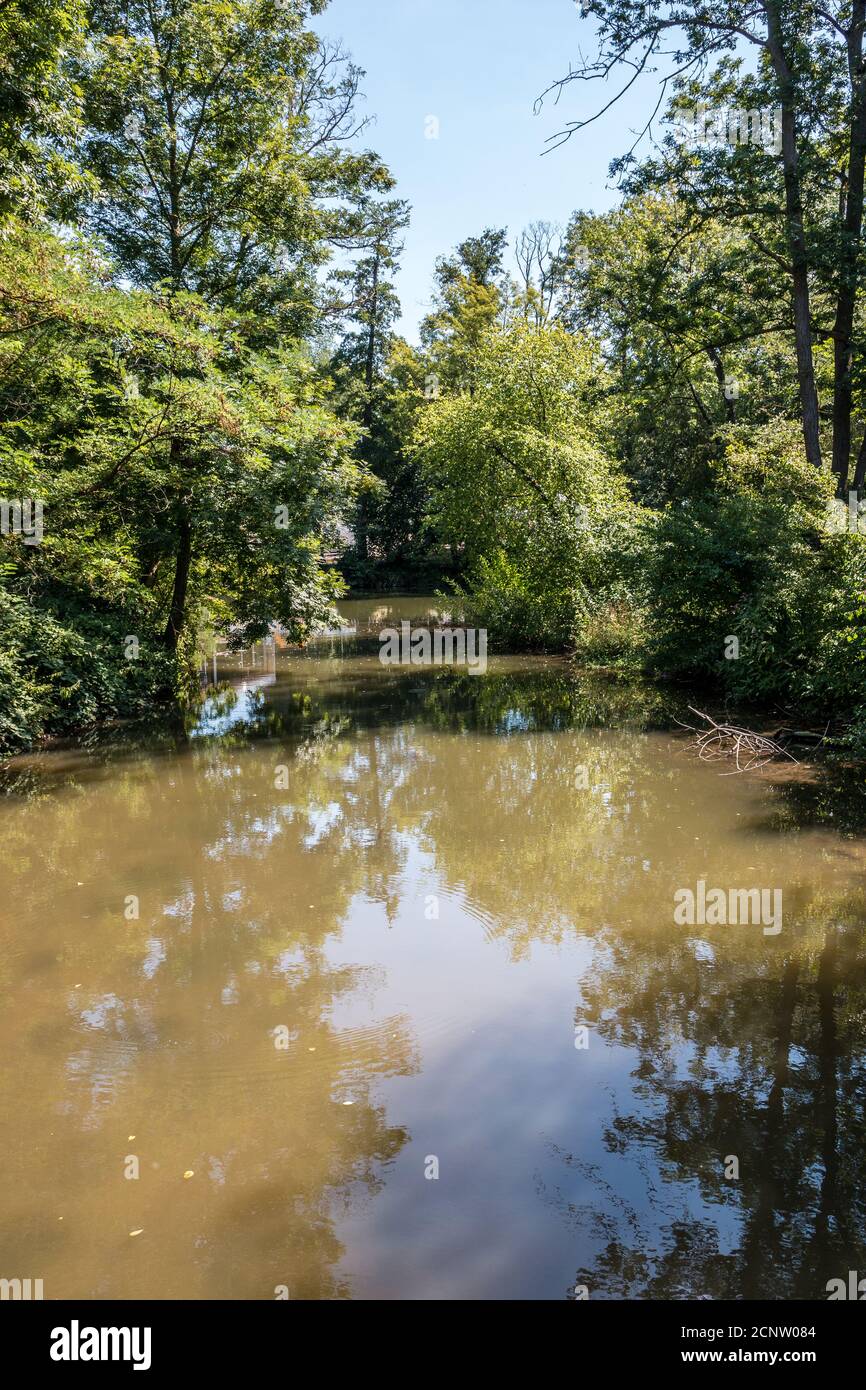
469, 299
218, 132
518, 486
40, 106
754, 558
607, 454
516, 605
118, 406
64, 666
157, 391
374, 374
692, 332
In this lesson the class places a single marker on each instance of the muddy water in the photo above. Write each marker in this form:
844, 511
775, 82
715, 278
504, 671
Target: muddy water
354, 928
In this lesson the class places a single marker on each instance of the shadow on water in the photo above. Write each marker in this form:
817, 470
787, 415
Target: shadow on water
829, 795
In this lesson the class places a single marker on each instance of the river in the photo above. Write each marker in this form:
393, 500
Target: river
369, 985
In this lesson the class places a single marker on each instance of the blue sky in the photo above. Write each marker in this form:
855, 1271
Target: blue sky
478, 65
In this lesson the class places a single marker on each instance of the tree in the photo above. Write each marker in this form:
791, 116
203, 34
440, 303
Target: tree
370, 312
39, 105
802, 210
539, 256
469, 298
694, 333
114, 402
518, 481
218, 134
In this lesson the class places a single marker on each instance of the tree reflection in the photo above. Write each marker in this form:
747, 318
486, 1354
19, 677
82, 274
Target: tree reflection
773, 1055
162, 1027
551, 806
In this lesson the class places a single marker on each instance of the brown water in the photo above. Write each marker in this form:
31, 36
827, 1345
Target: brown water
289, 856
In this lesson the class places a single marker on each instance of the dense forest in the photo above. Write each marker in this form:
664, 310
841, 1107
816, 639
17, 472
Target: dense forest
639, 438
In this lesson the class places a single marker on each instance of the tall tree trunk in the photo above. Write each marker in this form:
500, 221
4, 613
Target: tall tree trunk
796, 238
177, 611
183, 555
361, 546
852, 228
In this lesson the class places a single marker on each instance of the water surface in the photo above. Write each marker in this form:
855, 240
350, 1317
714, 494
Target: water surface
343, 933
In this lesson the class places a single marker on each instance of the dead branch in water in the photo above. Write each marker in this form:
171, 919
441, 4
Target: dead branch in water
748, 749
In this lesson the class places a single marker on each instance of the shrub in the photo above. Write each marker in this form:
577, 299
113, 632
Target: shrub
753, 558
63, 668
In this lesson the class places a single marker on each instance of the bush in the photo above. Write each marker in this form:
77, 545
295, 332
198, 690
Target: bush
754, 559
517, 610
63, 668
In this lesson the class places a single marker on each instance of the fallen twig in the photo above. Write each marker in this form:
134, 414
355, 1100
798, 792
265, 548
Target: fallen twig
748, 749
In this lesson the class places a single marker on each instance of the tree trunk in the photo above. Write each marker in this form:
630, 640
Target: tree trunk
796, 239
177, 611
852, 229
361, 543
370, 362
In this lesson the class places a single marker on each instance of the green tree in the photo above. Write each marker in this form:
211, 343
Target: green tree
799, 195
469, 298
370, 310
694, 332
519, 484
39, 105
115, 402
219, 133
